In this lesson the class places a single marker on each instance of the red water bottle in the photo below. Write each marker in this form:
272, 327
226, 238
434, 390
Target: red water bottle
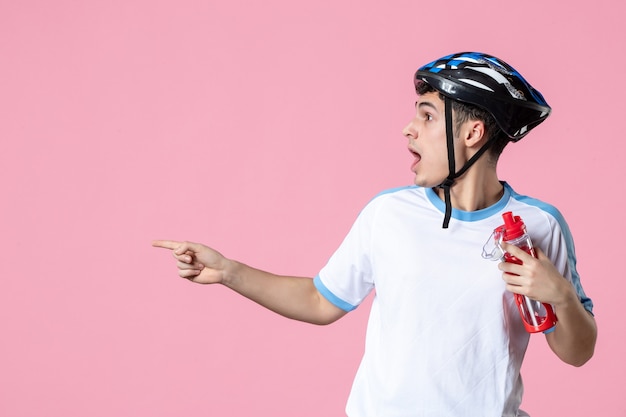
537, 316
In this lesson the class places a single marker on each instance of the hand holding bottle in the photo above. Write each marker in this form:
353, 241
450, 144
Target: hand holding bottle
536, 278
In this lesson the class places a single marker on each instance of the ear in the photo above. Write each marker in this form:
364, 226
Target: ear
474, 133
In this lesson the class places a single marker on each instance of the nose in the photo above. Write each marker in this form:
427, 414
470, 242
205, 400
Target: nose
410, 131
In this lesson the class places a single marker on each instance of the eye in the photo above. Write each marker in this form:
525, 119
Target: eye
428, 117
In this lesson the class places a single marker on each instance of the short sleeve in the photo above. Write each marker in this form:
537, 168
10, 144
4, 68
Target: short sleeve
346, 279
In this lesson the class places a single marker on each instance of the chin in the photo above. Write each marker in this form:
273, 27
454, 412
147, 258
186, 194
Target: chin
425, 182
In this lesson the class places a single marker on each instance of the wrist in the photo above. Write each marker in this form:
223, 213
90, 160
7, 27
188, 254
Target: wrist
230, 272
569, 300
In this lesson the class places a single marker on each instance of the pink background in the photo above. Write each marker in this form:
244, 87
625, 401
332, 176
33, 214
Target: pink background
262, 128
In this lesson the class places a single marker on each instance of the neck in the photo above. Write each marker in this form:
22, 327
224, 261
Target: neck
477, 189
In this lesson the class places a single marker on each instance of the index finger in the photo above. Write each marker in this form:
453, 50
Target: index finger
166, 244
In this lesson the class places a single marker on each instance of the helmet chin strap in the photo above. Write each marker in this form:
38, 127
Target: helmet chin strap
449, 181
452, 173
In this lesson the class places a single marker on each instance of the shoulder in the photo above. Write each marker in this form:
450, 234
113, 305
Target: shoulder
539, 211
536, 204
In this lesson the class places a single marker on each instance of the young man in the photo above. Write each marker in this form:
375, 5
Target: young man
444, 336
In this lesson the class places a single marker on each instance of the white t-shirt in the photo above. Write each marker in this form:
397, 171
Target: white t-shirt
444, 337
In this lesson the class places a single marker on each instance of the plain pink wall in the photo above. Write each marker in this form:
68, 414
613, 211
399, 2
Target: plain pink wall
261, 128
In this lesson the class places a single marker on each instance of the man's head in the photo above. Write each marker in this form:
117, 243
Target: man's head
478, 87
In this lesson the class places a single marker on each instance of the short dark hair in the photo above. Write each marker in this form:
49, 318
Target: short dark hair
464, 112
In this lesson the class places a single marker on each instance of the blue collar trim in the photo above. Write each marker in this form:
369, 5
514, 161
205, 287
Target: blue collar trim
471, 216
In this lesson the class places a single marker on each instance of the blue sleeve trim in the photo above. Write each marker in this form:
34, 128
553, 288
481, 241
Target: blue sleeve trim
336, 301
550, 330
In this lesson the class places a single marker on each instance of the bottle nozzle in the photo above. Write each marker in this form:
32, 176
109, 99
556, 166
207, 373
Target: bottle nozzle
513, 226
509, 219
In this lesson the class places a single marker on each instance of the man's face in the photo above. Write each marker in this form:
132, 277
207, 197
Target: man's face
427, 141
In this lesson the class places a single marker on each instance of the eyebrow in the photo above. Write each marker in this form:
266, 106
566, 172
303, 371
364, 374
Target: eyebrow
426, 104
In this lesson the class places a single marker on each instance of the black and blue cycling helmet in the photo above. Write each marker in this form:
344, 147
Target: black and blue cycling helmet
489, 83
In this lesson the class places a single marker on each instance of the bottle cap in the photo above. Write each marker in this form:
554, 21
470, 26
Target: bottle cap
513, 226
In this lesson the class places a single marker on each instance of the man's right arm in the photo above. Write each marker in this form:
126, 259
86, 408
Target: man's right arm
293, 297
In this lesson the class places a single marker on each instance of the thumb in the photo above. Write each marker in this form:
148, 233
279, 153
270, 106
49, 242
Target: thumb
188, 247
184, 247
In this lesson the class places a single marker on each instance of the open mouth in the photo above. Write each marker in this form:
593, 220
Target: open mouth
417, 157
